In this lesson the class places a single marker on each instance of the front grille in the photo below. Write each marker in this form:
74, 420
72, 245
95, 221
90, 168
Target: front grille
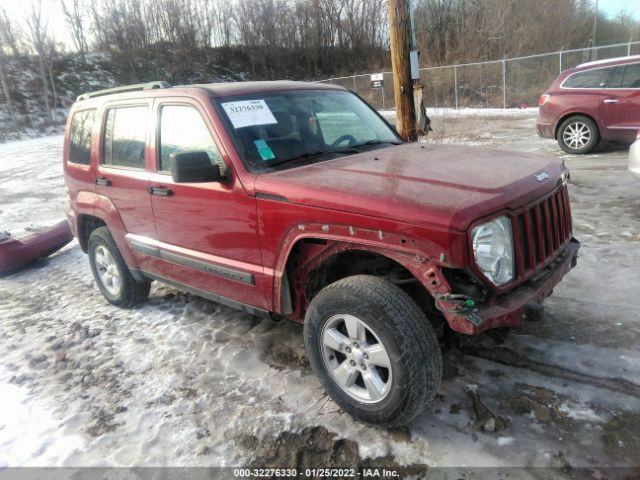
541, 231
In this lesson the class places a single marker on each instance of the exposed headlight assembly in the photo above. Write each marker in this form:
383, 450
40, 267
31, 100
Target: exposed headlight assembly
493, 250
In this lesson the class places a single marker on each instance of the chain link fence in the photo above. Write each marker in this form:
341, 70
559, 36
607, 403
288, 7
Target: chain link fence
512, 82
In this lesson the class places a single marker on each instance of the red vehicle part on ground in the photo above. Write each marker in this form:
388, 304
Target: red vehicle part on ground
15, 254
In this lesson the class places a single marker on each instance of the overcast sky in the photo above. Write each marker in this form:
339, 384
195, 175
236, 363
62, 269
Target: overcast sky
18, 9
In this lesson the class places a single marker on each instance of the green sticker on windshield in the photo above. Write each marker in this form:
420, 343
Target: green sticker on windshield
264, 150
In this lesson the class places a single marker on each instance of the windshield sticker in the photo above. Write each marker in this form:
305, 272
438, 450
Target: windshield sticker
264, 150
247, 113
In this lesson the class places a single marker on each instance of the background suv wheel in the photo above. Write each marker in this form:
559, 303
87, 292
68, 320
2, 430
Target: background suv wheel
578, 134
111, 273
373, 350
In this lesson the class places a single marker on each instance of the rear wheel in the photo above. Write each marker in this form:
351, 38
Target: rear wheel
111, 273
373, 350
578, 135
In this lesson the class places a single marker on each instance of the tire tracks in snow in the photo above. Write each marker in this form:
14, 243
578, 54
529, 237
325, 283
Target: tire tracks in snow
507, 356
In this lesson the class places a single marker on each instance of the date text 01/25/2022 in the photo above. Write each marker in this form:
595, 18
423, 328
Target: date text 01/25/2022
365, 473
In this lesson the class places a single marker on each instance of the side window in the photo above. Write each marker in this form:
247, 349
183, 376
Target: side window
82, 125
631, 76
616, 78
182, 129
125, 136
590, 79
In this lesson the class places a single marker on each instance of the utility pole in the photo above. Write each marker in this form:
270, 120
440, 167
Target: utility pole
400, 35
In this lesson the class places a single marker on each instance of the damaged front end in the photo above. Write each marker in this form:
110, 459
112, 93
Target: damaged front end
471, 315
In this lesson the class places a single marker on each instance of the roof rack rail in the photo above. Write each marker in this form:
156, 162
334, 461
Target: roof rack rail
126, 88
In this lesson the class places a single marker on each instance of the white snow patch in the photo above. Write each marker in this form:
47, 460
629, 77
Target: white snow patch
32, 194
472, 112
502, 441
30, 434
580, 413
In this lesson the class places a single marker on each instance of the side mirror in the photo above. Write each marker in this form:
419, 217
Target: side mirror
194, 167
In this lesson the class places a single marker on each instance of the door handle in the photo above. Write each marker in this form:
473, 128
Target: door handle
160, 191
610, 100
105, 182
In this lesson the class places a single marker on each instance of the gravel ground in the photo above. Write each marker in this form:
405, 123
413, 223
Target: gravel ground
183, 381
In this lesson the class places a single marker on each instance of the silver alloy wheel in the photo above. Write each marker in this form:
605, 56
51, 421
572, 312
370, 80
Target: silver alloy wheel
356, 358
107, 269
576, 135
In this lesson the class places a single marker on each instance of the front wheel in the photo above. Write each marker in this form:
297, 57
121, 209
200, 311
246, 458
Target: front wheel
578, 135
373, 350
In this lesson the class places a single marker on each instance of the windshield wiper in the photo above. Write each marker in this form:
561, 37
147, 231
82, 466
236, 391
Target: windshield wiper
313, 153
374, 142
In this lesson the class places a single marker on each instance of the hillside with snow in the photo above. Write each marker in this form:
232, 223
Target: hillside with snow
73, 75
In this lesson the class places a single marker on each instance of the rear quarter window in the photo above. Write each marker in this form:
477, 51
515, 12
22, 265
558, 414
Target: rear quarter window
631, 76
82, 125
596, 78
125, 136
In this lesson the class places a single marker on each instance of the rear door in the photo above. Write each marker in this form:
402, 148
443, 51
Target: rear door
586, 93
622, 105
122, 176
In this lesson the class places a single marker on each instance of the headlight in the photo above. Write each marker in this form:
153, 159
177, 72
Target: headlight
493, 249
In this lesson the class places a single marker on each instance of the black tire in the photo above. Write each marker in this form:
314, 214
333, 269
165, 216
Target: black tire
130, 291
404, 332
578, 145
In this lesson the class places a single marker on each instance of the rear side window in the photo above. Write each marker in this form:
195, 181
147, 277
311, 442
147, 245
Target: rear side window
631, 76
183, 129
82, 125
125, 136
616, 78
590, 79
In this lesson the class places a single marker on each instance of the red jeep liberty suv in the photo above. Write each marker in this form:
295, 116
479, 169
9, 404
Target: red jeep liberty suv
297, 200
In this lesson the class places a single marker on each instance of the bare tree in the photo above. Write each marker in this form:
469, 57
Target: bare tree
205, 17
10, 43
225, 27
456, 31
10, 35
5, 89
40, 42
75, 17
99, 27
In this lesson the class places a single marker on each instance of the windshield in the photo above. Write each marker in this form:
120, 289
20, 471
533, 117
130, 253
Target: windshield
278, 130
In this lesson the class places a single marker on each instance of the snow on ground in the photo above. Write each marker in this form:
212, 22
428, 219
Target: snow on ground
183, 381
482, 112
32, 194
471, 112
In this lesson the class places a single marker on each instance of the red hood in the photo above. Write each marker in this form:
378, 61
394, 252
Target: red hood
422, 184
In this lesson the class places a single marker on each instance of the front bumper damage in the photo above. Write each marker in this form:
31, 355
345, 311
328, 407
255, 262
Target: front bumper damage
516, 307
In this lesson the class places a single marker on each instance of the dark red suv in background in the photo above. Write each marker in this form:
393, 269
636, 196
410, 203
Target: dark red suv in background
593, 102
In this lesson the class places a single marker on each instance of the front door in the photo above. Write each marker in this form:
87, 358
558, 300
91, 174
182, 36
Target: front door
622, 104
207, 233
